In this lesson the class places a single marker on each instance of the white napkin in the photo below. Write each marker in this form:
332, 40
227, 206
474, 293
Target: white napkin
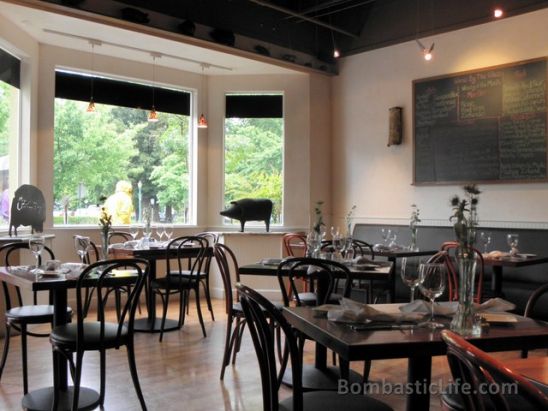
354, 312
449, 308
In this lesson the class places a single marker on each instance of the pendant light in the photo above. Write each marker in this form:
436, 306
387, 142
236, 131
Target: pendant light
336, 52
91, 105
427, 53
202, 122
152, 115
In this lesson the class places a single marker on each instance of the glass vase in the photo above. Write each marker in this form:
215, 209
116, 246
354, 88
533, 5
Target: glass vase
104, 245
464, 321
414, 245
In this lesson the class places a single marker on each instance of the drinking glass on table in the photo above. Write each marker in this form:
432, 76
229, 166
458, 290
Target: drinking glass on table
161, 230
513, 240
410, 273
485, 239
385, 233
82, 246
36, 245
392, 236
168, 230
134, 230
432, 278
338, 242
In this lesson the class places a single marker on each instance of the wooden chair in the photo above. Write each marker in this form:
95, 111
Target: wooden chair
260, 314
180, 280
119, 237
98, 334
489, 383
453, 272
20, 316
294, 244
541, 292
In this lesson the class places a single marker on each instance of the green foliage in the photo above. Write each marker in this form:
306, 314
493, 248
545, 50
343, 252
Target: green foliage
254, 161
5, 97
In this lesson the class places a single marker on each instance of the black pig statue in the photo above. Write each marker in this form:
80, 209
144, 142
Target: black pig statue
28, 208
250, 209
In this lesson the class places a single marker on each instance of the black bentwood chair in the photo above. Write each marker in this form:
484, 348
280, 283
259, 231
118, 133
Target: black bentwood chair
98, 334
259, 314
490, 385
20, 316
540, 293
180, 279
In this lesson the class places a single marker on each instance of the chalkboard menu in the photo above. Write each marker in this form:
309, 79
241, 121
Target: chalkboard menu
486, 126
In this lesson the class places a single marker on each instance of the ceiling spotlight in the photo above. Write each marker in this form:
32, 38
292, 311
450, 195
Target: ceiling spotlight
336, 53
498, 13
426, 52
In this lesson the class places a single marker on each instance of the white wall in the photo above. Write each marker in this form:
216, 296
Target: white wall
378, 178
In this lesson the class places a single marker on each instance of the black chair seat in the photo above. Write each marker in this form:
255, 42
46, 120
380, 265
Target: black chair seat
65, 335
311, 299
186, 274
453, 401
172, 282
332, 401
237, 307
32, 314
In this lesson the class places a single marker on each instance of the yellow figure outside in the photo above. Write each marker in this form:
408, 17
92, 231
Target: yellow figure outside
120, 204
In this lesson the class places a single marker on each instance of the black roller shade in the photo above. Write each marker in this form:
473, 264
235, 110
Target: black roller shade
72, 86
10, 69
254, 106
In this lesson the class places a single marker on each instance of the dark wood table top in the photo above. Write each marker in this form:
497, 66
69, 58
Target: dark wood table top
382, 272
156, 253
385, 344
514, 261
404, 253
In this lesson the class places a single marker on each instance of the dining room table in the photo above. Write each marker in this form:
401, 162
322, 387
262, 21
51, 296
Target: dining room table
58, 284
153, 253
417, 344
498, 265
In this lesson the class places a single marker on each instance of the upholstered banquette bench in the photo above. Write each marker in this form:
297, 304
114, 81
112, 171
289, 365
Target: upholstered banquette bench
518, 283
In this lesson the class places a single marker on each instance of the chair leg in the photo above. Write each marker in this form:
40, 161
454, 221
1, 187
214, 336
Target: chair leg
226, 355
199, 307
77, 378
238, 341
102, 366
118, 303
164, 314
183, 302
134, 375
366, 370
24, 358
208, 297
6, 349
55, 400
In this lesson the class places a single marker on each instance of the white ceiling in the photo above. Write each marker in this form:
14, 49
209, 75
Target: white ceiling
67, 33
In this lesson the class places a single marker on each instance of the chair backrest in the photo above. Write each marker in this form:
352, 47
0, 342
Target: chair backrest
102, 278
533, 300
212, 238
260, 316
363, 248
228, 266
10, 252
92, 253
119, 237
294, 244
195, 262
489, 381
311, 269
451, 247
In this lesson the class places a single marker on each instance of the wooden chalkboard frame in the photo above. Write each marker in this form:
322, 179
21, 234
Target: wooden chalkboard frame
482, 181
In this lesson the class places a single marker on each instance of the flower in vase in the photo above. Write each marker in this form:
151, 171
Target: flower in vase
465, 215
348, 219
319, 217
105, 220
414, 220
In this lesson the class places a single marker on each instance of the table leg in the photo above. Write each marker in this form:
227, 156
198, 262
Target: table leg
418, 378
496, 281
392, 280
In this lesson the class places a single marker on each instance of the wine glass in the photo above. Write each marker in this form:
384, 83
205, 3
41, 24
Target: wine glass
161, 230
168, 230
36, 245
392, 236
338, 241
513, 240
385, 233
485, 239
134, 230
432, 278
82, 245
410, 273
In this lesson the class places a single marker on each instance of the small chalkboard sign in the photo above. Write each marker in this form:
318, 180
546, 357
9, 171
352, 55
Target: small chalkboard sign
28, 207
485, 126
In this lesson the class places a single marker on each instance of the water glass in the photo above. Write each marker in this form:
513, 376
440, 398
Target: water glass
410, 273
385, 233
168, 230
82, 246
485, 239
134, 230
392, 236
161, 230
432, 279
513, 240
36, 245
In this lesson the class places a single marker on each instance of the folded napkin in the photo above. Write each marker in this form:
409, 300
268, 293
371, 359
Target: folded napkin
351, 311
495, 254
449, 308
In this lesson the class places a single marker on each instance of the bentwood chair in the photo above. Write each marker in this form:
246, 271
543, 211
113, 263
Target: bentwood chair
20, 316
181, 279
119, 237
490, 385
98, 334
260, 314
228, 267
540, 293
294, 244
450, 260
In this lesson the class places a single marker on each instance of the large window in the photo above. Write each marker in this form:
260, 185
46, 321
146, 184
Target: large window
116, 154
254, 137
9, 130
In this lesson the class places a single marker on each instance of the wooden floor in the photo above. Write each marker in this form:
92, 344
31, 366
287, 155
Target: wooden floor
182, 372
